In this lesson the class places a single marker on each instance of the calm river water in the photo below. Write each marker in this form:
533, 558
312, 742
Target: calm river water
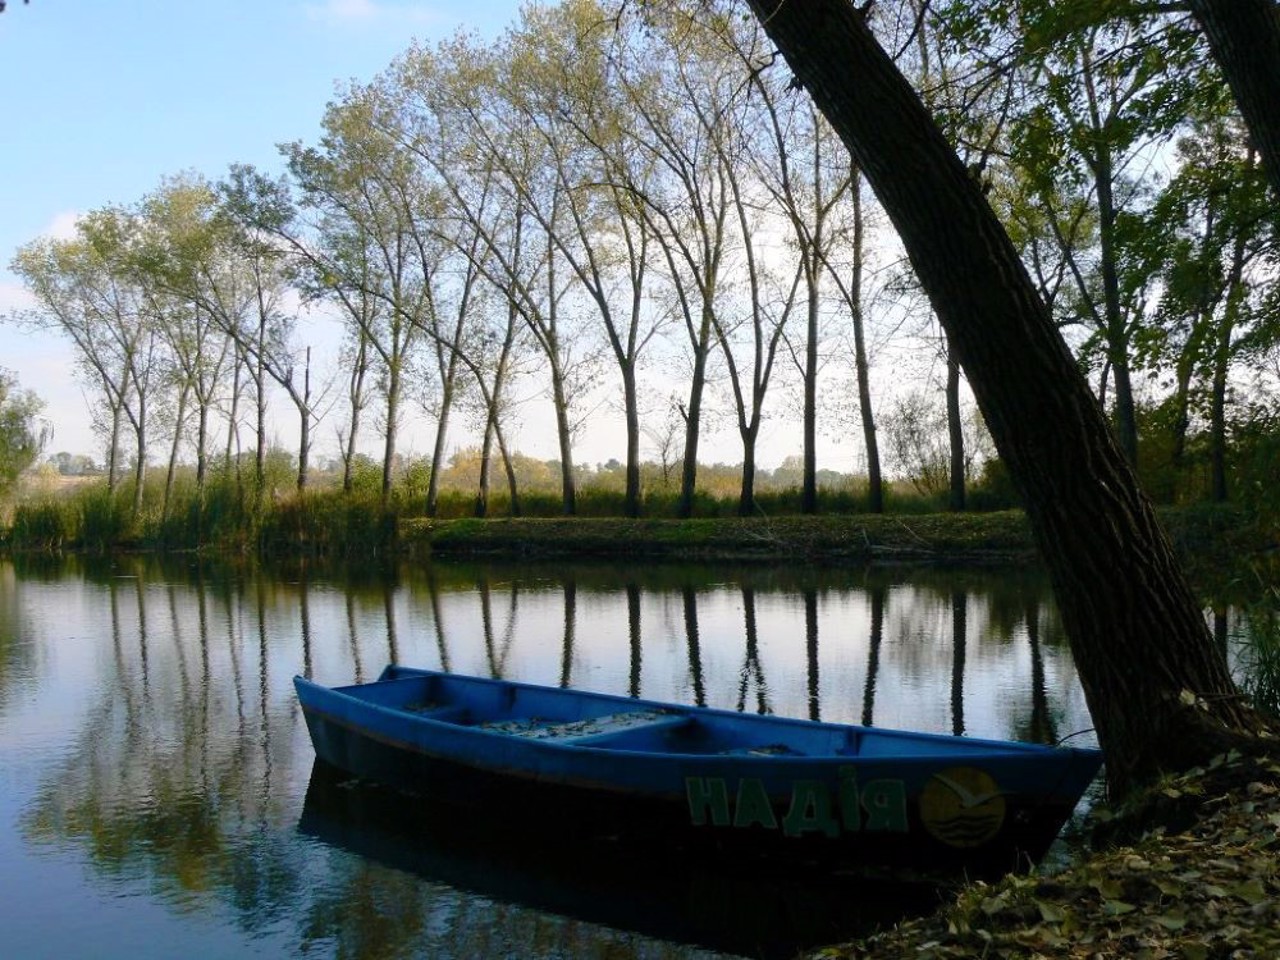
156, 790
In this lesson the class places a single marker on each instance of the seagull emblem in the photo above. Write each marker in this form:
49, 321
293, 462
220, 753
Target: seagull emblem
968, 799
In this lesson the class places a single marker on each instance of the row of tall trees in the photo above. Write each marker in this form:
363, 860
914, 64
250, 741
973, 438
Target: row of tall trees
613, 197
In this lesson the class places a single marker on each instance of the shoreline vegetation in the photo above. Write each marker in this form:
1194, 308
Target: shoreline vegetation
231, 519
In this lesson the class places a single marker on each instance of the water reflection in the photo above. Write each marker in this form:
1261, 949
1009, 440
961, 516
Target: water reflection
157, 741
719, 906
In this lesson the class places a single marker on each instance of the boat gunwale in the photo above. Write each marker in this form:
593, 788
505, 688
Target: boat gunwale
973, 746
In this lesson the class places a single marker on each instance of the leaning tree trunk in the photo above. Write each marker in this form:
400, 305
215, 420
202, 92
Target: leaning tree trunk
1244, 36
1158, 688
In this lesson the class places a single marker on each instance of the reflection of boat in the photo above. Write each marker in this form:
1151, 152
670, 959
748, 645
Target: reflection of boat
769, 914
562, 761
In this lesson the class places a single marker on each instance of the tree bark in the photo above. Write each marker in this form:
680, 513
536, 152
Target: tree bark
172, 471
513, 490
955, 433
437, 448
693, 416
1244, 36
809, 490
631, 402
391, 435
1158, 688
1115, 329
305, 415
202, 454
747, 497
875, 487
564, 437
481, 509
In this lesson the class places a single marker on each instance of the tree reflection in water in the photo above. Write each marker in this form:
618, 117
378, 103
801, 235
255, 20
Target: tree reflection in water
184, 778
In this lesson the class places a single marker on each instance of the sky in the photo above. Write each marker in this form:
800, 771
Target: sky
103, 100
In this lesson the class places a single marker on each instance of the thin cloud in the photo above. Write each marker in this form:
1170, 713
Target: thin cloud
62, 226
14, 298
352, 12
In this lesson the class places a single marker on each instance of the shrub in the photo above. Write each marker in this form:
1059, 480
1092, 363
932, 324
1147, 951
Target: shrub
45, 525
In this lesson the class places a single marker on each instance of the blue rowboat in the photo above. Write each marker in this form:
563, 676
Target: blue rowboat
544, 759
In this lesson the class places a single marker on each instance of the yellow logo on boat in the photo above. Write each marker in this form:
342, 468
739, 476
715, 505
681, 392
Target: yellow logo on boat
962, 807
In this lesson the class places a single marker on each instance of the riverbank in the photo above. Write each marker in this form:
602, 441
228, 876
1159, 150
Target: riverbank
1206, 537
844, 538
1204, 882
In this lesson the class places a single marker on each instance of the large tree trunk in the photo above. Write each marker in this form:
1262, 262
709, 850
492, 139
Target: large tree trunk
1157, 687
1244, 36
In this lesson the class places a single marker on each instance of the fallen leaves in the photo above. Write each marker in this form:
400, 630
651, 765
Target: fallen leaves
1211, 891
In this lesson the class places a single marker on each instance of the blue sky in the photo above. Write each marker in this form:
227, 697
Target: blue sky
103, 99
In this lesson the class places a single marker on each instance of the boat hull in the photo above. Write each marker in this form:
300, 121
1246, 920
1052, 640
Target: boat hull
934, 807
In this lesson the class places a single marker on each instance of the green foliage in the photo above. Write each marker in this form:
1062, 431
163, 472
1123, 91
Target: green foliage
106, 519
994, 489
328, 522
1261, 654
21, 434
411, 489
45, 525
1255, 461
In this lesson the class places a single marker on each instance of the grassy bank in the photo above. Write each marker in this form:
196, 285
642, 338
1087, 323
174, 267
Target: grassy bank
832, 539
1210, 539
